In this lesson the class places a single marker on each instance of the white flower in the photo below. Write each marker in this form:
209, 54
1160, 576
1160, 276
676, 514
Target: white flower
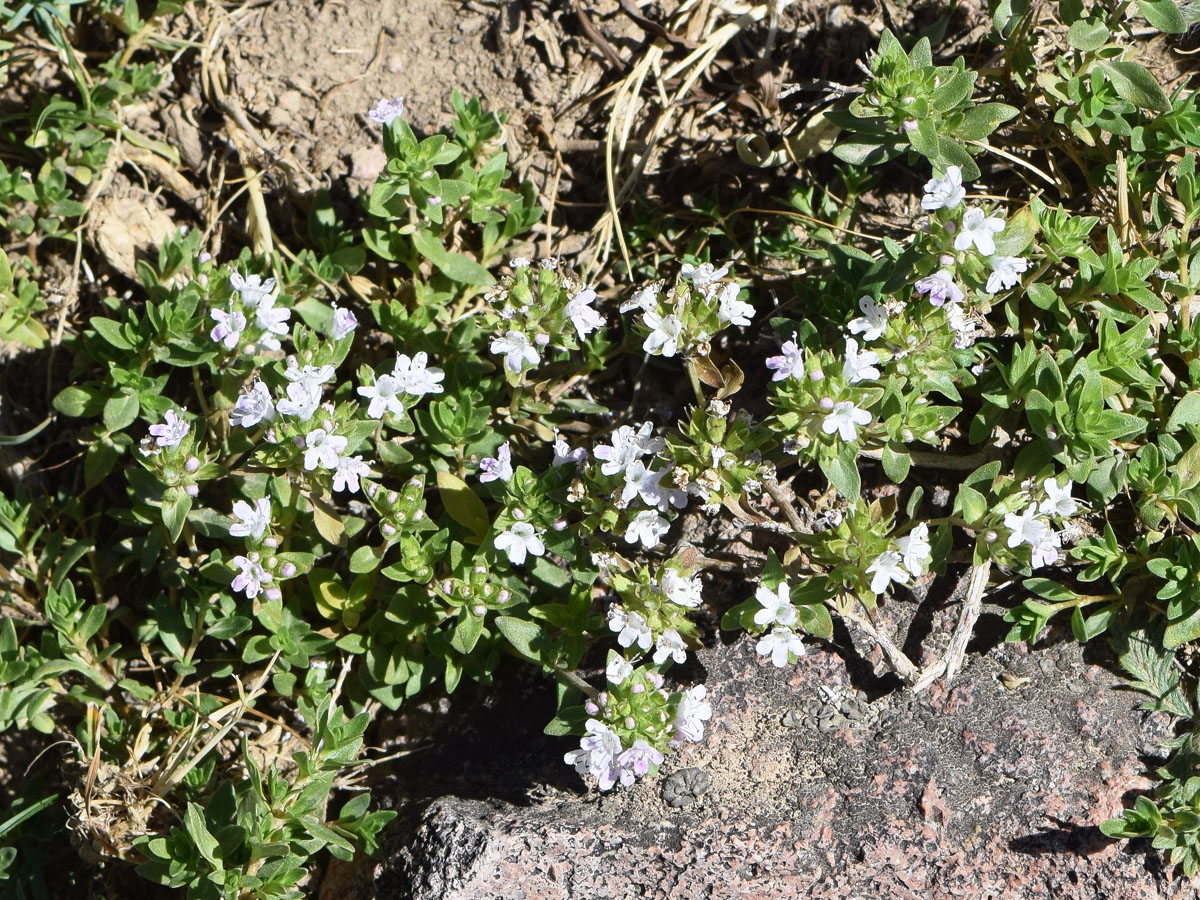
583, 317
978, 229
252, 289
691, 714
386, 111
518, 262
670, 645
790, 362
665, 334
415, 378
272, 321
859, 366
344, 322
349, 470
777, 606
940, 287
253, 406
1006, 272
597, 754
563, 453
618, 669
1026, 528
518, 352
252, 577
873, 321
732, 310
886, 568
170, 431
780, 644
253, 520
644, 298
1045, 551
549, 262
322, 448
310, 377
518, 540
300, 402
386, 396
648, 527
703, 275
845, 420
1059, 501
630, 628
684, 591
229, 327
944, 193
637, 761
627, 446
498, 468
915, 549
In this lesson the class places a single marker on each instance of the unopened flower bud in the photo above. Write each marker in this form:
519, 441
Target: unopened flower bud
503, 596
287, 570
946, 259
273, 593
990, 536
191, 464
191, 490
388, 529
637, 689
630, 722
271, 542
591, 708
479, 609
826, 403
815, 374
541, 339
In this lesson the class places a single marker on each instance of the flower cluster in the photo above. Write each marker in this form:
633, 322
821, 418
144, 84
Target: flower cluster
908, 557
1033, 527
682, 319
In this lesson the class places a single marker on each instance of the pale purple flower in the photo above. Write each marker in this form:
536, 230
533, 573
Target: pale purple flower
273, 321
630, 628
886, 568
583, 317
732, 310
637, 761
252, 577
229, 327
386, 396
498, 468
1006, 272
1045, 551
979, 229
665, 334
780, 643
777, 607
386, 111
519, 354
415, 377
349, 470
170, 431
873, 321
520, 539
790, 362
1059, 501
648, 527
597, 754
301, 401
691, 714
253, 521
859, 366
344, 322
322, 449
253, 406
310, 377
670, 645
563, 453
944, 193
940, 287
251, 288
916, 551
845, 419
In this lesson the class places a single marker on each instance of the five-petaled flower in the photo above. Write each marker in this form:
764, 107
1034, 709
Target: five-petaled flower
520, 539
666, 333
498, 468
518, 352
251, 577
386, 111
251, 288
940, 287
979, 229
253, 521
780, 643
777, 606
789, 363
170, 431
321, 448
944, 193
873, 321
845, 419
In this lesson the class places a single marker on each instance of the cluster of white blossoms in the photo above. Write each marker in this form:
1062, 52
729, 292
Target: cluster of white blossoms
975, 230
624, 456
603, 756
635, 633
908, 557
1033, 526
781, 644
691, 311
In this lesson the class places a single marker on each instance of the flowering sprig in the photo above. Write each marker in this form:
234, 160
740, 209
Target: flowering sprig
682, 319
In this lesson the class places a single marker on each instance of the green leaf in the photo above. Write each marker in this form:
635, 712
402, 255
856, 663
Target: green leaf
462, 504
121, 411
981, 120
527, 638
842, 472
1088, 35
1152, 671
466, 634
175, 506
1187, 467
456, 266
1186, 412
1133, 82
1182, 631
111, 332
896, 462
326, 518
1164, 15
815, 619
